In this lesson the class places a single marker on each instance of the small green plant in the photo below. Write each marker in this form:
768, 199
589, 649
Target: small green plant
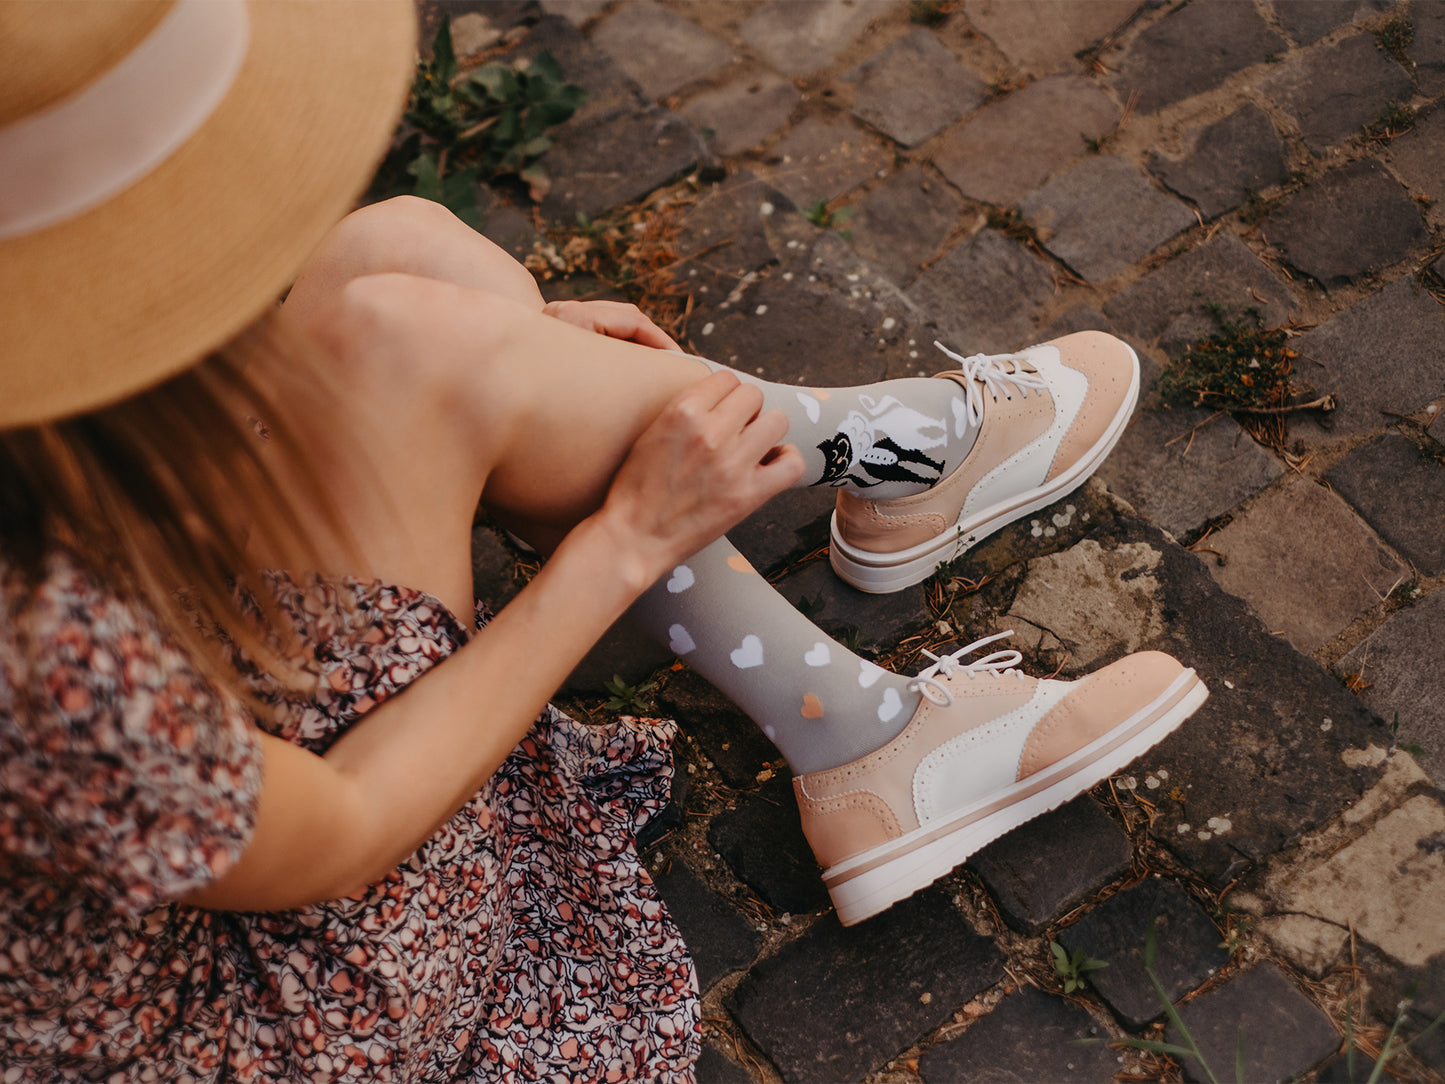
1408, 746
1395, 37
477, 125
1396, 120
1072, 969
819, 215
1243, 368
628, 698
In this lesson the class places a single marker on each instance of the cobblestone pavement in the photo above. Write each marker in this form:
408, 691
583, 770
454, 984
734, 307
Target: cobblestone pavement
1016, 169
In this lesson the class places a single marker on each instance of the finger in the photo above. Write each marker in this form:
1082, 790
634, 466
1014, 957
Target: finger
736, 411
704, 396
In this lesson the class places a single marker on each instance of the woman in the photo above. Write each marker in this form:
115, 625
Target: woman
231, 847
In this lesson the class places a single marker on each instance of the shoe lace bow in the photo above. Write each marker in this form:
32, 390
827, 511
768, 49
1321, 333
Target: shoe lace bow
994, 372
997, 663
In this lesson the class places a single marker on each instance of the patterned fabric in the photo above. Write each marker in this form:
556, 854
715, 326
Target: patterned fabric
523, 941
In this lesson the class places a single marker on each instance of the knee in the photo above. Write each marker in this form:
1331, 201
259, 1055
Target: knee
422, 340
377, 238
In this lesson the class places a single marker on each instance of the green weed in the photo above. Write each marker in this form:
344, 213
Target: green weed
632, 699
1243, 366
819, 215
1396, 120
477, 126
1395, 37
1073, 969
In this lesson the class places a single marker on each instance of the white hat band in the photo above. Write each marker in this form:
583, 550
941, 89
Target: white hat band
65, 159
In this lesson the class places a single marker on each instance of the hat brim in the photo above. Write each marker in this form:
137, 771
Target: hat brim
146, 284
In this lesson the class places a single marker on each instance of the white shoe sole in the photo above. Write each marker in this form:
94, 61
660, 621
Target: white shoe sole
884, 573
876, 879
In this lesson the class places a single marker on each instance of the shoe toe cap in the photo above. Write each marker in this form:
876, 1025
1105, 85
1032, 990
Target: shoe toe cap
1102, 701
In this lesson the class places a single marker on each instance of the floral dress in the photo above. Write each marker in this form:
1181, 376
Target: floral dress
522, 941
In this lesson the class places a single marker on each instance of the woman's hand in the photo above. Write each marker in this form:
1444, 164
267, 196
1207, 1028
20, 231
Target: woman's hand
615, 319
711, 457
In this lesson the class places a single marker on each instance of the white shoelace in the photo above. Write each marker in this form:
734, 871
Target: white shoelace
998, 663
988, 370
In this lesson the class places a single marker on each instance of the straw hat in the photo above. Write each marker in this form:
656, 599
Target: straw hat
165, 168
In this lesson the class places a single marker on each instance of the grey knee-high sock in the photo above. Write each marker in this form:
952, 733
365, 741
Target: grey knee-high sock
821, 704
884, 440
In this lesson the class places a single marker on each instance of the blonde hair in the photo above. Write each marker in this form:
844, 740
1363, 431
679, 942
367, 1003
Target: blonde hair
152, 496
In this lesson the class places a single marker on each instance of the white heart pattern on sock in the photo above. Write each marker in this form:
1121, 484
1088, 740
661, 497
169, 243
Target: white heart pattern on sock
750, 654
809, 404
678, 641
819, 655
891, 705
868, 674
682, 579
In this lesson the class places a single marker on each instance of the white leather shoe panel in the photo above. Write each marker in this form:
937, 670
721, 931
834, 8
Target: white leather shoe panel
981, 760
1027, 468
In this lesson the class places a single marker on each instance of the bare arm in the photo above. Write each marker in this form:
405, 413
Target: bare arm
329, 825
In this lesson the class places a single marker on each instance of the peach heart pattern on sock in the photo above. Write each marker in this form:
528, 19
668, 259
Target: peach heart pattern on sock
738, 563
868, 673
682, 579
812, 707
809, 404
678, 640
749, 654
818, 655
890, 707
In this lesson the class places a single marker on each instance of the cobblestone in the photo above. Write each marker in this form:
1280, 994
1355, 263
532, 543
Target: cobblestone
719, 938
1351, 221
1418, 157
1183, 467
797, 37
1169, 305
1102, 215
662, 51
902, 222
822, 159
1040, 37
1226, 161
1010, 147
1305, 562
617, 160
1116, 932
914, 89
1389, 480
1427, 50
743, 113
1280, 1032
1040, 872
1338, 89
1029, 1036
1403, 683
1309, 20
986, 293
813, 1008
1355, 357
1193, 50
